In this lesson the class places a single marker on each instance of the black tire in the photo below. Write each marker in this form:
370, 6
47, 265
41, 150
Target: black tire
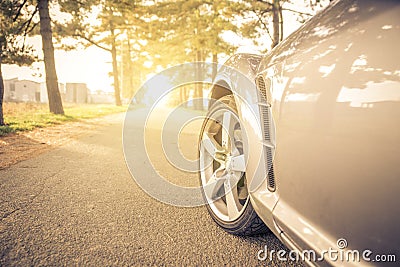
247, 222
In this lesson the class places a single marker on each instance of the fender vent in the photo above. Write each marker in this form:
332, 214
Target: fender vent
264, 89
261, 88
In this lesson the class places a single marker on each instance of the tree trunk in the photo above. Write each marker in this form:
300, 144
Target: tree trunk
55, 103
130, 70
275, 22
117, 93
215, 66
1, 95
182, 96
198, 93
280, 24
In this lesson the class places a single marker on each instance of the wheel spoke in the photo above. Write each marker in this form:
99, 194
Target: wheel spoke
210, 145
223, 165
213, 186
226, 129
232, 201
238, 163
237, 134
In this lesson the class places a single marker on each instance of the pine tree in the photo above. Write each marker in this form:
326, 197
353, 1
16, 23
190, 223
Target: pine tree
15, 22
267, 16
191, 31
42, 7
117, 19
53, 92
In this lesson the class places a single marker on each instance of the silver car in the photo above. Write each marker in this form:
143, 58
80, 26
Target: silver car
309, 148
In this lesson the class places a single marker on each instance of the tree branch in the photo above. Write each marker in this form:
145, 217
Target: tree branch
265, 2
30, 21
32, 28
19, 10
298, 12
92, 42
262, 23
25, 26
280, 24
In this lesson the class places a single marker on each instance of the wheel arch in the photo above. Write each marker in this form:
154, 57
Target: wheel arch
237, 77
219, 89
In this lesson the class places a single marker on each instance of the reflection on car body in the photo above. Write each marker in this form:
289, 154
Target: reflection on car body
330, 96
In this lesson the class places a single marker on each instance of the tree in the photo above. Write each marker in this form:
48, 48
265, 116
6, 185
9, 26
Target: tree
268, 16
114, 59
15, 25
53, 92
115, 18
191, 31
132, 69
42, 6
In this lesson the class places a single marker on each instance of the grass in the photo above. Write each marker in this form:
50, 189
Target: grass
27, 116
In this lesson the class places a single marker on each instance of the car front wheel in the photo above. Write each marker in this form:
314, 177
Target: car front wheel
223, 170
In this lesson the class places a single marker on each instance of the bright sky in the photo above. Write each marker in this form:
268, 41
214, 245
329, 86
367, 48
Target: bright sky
90, 66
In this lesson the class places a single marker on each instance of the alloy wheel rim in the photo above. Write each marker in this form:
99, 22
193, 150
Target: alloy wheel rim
222, 165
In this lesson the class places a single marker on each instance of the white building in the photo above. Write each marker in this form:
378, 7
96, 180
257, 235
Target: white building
76, 93
9, 89
21, 90
43, 92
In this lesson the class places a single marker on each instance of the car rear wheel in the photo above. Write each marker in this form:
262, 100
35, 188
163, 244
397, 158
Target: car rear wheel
223, 170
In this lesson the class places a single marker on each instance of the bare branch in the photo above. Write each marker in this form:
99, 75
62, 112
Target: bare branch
92, 42
280, 24
25, 26
30, 21
262, 23
266, 3
19, 10
298, 12
32, 28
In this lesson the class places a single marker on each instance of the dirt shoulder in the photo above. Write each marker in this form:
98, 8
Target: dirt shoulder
20, 146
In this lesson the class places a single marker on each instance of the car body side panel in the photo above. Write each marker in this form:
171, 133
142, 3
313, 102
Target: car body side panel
336, 104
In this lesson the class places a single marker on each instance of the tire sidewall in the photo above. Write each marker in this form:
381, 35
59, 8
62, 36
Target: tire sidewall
242, 224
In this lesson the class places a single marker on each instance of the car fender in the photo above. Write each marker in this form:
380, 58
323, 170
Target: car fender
237, 76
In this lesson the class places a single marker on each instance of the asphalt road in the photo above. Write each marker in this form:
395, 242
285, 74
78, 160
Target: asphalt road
78, 205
